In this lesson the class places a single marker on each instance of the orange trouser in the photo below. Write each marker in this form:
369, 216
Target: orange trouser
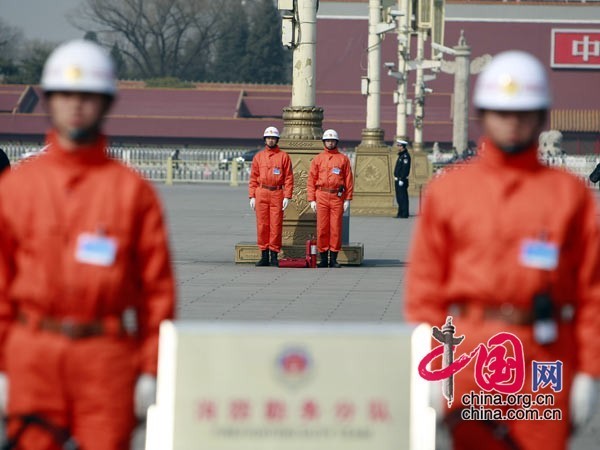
330, 209
85, 386
524, 434
269, 218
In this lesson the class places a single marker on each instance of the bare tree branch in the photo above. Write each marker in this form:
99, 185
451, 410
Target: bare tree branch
159, 38
10, 40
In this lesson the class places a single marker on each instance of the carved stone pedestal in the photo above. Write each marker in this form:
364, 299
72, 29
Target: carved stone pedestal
420, 173
351, 255
374, 193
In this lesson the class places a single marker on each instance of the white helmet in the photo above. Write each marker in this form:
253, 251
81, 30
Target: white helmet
79, 66
271, 132
513, 81
330, 134
401, 142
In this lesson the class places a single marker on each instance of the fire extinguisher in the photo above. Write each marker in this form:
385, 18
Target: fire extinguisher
313, 252
307, 252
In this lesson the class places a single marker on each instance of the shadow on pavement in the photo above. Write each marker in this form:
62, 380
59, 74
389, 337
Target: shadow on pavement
384, 263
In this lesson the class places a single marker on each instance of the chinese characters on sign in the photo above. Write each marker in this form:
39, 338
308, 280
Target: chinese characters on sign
572, 48
278, 411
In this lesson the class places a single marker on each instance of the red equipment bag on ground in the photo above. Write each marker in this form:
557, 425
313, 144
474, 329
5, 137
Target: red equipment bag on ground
309, 260
293, 262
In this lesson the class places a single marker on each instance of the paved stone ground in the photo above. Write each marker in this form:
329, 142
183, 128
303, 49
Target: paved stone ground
207, 220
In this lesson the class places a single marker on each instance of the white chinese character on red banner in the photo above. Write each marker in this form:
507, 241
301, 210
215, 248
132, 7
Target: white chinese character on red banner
239, 410
310, 410
378, 411
207, 410
345, 411
585, 48
275, 410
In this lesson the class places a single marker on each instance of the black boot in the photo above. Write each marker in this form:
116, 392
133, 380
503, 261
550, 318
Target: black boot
264, 259
333, 261
323, 262
274, 261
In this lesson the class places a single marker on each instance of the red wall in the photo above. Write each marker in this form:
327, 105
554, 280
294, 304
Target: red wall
342, 60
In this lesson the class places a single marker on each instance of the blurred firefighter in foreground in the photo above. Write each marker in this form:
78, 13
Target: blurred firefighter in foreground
270, 191
85, 273
329, 190
508, 245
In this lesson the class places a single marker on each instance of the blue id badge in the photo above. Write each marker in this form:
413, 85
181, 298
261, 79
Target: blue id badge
276, 171
545, 331
336, 170
539, 254
96, 250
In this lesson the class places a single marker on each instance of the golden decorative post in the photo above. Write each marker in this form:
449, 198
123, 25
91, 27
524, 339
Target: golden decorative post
374, 165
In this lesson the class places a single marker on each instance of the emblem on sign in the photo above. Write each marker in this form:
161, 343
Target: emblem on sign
294, 366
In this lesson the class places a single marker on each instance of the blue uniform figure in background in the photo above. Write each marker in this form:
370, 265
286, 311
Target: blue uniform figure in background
4, 161
401, 172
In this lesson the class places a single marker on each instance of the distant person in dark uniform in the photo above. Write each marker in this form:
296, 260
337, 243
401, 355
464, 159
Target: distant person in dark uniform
468, 153
401, 172
4, 161
595, 175
175, 159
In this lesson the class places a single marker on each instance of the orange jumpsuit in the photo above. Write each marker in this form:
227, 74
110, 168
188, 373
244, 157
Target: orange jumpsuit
271, 180
82, 240
467, 251
329, 171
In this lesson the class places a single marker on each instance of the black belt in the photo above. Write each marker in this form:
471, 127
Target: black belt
109, 326
510, 314
331, 191
271, 188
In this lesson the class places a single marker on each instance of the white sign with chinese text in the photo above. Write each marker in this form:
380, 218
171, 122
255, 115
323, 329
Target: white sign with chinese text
237, 386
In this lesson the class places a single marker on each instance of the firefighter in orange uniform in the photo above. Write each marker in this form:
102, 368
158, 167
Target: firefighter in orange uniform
506, 244
85, 273
270, 191
329, 189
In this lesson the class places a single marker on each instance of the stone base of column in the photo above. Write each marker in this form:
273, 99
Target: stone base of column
420, 172
374, 193
247, 252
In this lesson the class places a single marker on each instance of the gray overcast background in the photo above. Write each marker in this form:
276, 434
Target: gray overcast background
41, 19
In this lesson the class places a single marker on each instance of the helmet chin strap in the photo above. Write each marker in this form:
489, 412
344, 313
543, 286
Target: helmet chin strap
84, 134
516, 148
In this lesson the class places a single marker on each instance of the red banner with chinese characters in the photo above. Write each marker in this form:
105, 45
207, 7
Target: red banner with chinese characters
573, 48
